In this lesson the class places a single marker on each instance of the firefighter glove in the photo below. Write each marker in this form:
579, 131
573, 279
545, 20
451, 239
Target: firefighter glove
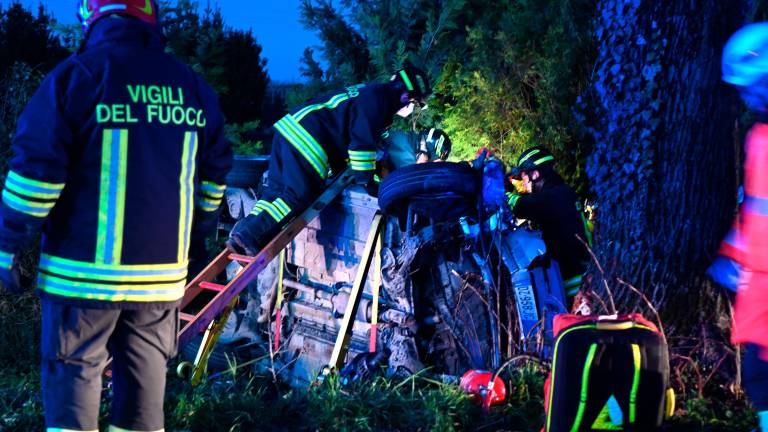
362, 178
245, 237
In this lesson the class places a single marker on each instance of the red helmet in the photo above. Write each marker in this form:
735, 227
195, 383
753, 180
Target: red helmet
88, 11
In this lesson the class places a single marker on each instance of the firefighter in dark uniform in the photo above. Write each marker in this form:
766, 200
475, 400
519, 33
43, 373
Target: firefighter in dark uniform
549, 203
320, 136
434, 146
120, 160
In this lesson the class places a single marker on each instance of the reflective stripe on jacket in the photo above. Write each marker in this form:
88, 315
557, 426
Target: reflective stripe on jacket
117, 154
343, 126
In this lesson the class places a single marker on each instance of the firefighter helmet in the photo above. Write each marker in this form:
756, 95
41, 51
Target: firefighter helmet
532, 159
435, 143
88, 11
416, 83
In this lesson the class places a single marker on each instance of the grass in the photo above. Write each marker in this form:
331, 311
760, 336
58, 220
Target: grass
246, 401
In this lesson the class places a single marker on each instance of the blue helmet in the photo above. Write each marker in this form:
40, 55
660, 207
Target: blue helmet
745, 56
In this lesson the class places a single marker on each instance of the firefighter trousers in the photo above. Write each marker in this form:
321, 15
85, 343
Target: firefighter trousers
292, 185
75, 345
755, 377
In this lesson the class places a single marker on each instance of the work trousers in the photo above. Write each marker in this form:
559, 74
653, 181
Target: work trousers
76, 344
755, 377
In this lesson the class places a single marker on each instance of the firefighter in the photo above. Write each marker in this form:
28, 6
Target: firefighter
434, 146
543, 197
323, 135
745, 65
120, 160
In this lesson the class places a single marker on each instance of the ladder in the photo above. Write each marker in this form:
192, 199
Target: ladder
214, 313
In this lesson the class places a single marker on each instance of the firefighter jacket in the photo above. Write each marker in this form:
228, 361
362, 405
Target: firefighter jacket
751, 245
116, 154
556, 211
345, 125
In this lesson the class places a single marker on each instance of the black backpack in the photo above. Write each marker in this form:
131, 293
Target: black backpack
608, 373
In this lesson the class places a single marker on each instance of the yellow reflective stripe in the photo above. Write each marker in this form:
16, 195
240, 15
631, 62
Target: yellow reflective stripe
117, 429
332, 103
212, 189
362, 166
584, 387
362, 156
69, 430
112, 273
311, 145
31, 208
6, 260
110, 292
33, 188
528, 156
115, 267
282, 206
298, 143
512, 199
121, 181
273, 210
186, 193
637, 362
208, 204
114, 163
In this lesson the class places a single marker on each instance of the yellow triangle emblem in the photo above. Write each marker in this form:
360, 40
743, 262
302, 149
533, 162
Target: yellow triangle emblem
611, 418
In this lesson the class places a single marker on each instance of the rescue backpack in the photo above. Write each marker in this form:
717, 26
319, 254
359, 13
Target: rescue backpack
609, 373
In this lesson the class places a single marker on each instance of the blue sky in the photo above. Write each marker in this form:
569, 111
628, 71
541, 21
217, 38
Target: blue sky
275, 23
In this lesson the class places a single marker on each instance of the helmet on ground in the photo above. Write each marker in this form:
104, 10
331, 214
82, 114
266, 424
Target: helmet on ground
531, 159
745, 64
416, 83
89, 11
435, 143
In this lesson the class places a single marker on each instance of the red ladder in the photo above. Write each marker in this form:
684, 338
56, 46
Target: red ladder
213, 315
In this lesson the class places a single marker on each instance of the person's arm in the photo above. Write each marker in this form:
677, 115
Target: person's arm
38, 168
367, 122
529, 206
215, 161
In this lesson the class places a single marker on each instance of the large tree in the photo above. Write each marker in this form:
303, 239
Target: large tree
664, 126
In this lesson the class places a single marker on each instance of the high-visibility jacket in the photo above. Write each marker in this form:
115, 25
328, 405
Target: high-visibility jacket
120, 148
751, 309
344, 125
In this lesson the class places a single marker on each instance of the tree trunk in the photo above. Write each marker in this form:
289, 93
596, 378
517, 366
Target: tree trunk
664, 166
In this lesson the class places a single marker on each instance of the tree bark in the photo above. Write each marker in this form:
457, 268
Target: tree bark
664, 166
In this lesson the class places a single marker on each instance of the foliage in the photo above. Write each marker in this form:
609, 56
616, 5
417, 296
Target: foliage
506, 74
242, 139
229, 59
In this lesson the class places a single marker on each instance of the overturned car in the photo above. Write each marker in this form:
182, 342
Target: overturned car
459, 286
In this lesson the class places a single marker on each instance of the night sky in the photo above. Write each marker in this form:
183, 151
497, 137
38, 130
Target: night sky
274, 23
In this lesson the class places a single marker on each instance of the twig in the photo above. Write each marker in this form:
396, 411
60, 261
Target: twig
602, 273
647, 302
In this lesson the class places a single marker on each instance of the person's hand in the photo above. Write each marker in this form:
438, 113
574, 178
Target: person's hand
10, 278
243, 238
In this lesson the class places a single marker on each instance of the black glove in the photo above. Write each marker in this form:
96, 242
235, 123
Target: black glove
362, 178
245, 236
11, 278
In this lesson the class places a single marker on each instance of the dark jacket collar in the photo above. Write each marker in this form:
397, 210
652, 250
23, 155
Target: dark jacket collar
110, 30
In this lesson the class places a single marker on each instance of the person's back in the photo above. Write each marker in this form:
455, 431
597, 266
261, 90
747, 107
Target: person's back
120, 160
131, 162
329, 132
554, 210
553, 206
